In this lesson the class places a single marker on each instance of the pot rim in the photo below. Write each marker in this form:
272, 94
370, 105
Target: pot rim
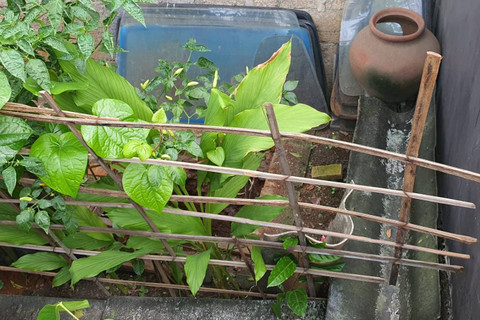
397, 12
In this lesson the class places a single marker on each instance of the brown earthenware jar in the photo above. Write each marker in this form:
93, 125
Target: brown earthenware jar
388, 66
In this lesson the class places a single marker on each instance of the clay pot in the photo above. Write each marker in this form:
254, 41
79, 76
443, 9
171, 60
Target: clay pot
388, 66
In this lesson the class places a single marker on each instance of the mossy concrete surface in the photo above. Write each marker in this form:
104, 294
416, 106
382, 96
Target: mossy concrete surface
136, 308
417, 293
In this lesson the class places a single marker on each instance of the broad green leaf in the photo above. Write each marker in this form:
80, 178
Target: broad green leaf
25, 219
168, 223
195, 270
40, 261
17, 236
264, 83
160, 116
337, 267
277, 306
138, 266
61, 87
5, 89
108, 142
107, 41
14, 132
55, 11
297, 301
26, 47
37, 69
217, 156
134, 10
178, 175
233, 185
297, 118
49, 312
260, 213
104, 83
43, 220
260, 268
33, 165
290, 85
289, 242
149, 186
56, 44
10, 178
13, 62
137, 148
76, 305
323, 258
86, 44
92, 266
64, 159
80, 240
86, 218
136, 242
63, 276
283, 270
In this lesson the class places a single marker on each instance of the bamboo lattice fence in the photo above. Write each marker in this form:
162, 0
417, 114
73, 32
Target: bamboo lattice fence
71, 119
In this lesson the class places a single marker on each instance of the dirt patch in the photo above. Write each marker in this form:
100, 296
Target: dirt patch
327, 196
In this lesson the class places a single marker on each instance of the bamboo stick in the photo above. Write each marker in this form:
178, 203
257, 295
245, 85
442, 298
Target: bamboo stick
463, 173
147, 284
260, 243
225, 263
13, 106
281, 177
292, 196
427, 85
239, 201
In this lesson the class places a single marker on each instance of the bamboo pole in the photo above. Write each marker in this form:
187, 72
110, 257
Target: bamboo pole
466, 174
146, 283
216, 262
281, 177
427, 85
292, 196
260, 243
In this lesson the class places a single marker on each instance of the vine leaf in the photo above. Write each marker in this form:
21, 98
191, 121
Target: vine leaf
217, 156
55, 10
150, 186
260, 268
40, 261
13, 62
10, 178
63, 276
37, 69
64, 159
134, 10
5, 89
297, 301
109, 142
92, 266
283, 270
195, 270
86, 43
43, 220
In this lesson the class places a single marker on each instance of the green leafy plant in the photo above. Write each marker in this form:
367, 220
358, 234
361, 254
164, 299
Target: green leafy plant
72, 308
47, 46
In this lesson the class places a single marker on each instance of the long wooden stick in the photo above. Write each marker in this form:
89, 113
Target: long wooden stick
147, 284
281, 177
292, 196
466, 174
258, 243
225, 263
257, 202
427, 85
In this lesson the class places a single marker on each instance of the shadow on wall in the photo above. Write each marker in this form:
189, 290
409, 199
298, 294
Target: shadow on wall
458, 138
